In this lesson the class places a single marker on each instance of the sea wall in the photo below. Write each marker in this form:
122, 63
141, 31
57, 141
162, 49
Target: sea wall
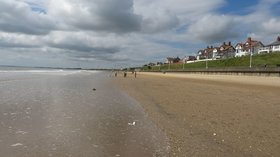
269, 73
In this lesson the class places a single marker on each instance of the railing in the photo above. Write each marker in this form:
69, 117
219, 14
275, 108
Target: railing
264, 49
256, 71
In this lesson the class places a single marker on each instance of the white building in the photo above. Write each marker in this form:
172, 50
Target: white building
250, 46
216, 51
273, 47
239, 51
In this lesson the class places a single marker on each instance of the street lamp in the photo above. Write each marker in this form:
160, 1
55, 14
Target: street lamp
251, 55
169, 65
184, 62
251, 60
207, 61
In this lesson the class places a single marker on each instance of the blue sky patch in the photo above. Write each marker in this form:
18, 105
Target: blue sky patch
275, 9
238, 7
182, 29
38, 10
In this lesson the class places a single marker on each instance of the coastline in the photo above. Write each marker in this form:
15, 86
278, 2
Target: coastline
211, 115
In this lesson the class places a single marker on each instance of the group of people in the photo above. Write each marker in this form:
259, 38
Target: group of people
125, 74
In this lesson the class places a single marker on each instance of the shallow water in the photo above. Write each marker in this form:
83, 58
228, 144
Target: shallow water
58, 114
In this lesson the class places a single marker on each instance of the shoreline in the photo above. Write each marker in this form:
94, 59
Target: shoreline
210, 115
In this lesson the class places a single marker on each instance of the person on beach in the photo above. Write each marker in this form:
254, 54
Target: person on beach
135, 74
124, 74
116, 74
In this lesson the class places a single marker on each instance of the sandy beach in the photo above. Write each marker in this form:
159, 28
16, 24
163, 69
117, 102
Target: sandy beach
211, 115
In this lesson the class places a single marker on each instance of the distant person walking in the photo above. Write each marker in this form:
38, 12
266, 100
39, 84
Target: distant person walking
135, 74
116, 74
124, 74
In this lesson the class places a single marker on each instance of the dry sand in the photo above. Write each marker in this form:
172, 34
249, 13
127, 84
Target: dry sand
211, 115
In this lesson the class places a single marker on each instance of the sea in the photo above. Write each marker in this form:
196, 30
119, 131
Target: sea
16, 69
72, 112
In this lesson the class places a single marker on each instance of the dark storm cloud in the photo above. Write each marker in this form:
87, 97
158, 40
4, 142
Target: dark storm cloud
118, 16
114, 16
81, 47
4, 44
165, 20
74, 47
100, 57
17, 17
84, 56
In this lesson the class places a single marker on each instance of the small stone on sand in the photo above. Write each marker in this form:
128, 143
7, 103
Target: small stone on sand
17, 144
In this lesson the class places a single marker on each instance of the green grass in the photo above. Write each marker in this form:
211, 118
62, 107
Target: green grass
258, 61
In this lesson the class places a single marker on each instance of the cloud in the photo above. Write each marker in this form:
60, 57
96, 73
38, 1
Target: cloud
213, 28
161, 21
123, 32
86, 45
14, 40
6, 44
272, 26
115, 16
82, 47
182, 8
261, 23
16, 16
164, 15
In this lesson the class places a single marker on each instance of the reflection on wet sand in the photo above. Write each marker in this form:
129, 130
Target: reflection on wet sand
61, 115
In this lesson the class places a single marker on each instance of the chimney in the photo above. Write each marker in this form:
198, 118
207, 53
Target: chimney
211, 47
278, 39
207, 47
224, 43
249, 39
229, 43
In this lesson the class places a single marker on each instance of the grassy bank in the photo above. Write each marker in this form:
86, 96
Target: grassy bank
258, 61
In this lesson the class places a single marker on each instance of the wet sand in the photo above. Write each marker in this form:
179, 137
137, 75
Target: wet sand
58, 114
211, 115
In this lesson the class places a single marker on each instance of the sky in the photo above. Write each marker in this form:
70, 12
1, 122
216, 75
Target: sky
126, 33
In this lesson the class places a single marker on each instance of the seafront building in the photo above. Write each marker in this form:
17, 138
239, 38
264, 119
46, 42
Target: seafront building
227, 50
273, 47
206, 53
249, 47
172, 60
221, 52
